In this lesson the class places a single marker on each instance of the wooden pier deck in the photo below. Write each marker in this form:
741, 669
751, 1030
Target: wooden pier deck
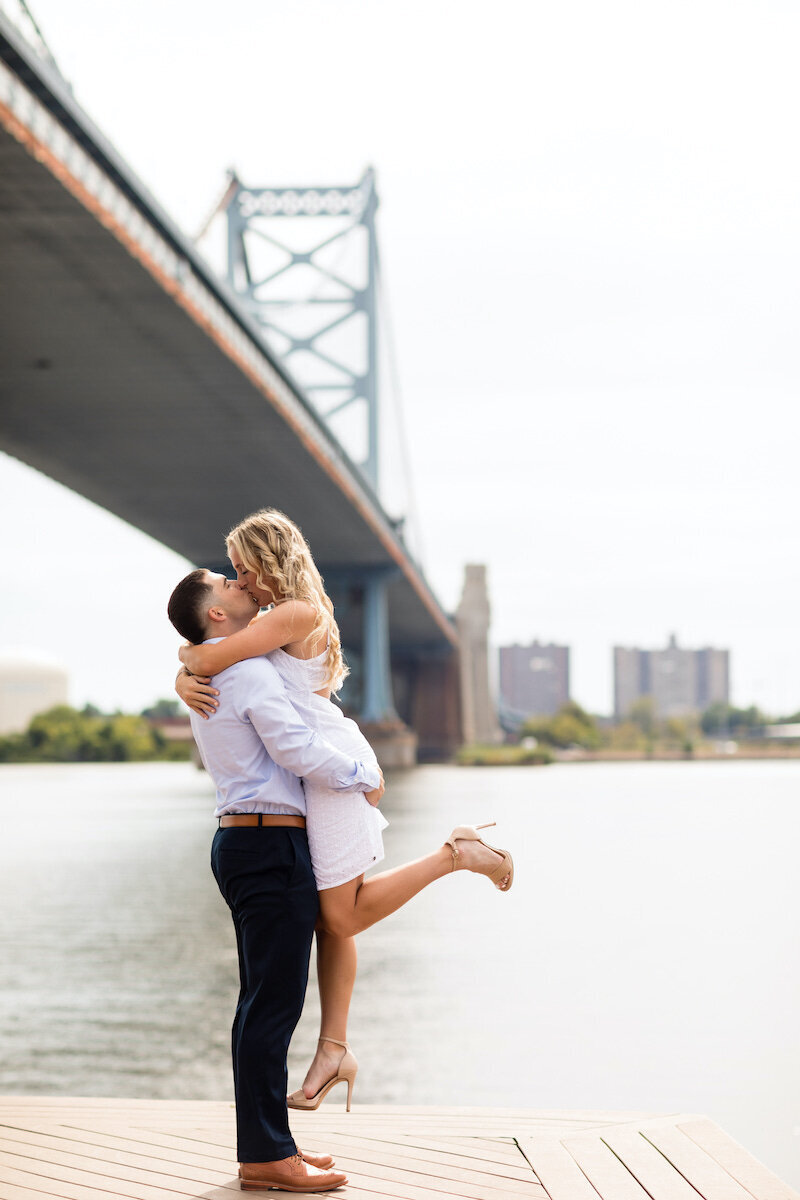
89, 1149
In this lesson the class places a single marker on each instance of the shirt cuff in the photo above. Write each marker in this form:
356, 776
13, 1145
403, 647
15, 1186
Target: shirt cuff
363, 777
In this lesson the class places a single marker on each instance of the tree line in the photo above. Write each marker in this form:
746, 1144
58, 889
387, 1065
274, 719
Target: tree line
65, 734
643, 730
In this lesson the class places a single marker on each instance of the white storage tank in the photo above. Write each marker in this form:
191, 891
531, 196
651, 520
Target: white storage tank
30, 683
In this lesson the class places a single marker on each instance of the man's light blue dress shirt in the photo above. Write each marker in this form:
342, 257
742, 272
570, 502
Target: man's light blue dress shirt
255, 746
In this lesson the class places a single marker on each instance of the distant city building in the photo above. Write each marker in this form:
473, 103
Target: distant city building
534, 680
29, 684
680, 682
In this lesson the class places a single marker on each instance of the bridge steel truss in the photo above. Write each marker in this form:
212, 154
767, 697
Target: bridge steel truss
339, 219
343, 220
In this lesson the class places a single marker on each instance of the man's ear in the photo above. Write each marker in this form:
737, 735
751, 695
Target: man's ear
216, 614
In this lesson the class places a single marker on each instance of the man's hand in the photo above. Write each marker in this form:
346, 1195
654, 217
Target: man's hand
374, 796
197, 693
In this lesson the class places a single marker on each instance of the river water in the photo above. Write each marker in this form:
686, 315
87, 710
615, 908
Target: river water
646, 957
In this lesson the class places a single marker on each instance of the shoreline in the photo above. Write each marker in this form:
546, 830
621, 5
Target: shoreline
511, 756
745, 754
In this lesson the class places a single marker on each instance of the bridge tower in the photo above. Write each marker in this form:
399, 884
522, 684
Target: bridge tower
305, 261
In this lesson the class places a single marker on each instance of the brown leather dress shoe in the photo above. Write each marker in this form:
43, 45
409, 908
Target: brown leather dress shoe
288, 1175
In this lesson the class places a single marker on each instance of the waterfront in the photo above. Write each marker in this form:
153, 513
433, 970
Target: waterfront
642, 960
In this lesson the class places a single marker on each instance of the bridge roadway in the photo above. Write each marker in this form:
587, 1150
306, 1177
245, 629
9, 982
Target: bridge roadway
130, 373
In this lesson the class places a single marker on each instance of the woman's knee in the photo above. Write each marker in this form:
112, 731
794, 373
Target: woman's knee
339, 924
337, 909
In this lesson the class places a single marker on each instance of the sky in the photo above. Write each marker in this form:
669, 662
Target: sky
590, 240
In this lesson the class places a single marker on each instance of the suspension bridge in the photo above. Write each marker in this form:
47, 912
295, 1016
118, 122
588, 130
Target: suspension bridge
167, 392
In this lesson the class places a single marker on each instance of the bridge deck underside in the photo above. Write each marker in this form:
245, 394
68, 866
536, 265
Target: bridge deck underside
110, 387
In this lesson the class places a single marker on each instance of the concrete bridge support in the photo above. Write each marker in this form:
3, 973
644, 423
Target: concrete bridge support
377, 701
361, 596
422, 701
391, 739
435, 705
479, 712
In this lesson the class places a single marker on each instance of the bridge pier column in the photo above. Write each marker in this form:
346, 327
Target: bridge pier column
377, 703
435, 705
393, 742
478, 711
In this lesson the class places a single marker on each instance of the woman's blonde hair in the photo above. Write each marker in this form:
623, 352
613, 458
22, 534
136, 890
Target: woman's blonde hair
268, 543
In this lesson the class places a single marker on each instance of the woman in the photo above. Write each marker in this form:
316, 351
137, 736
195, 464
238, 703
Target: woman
299, 632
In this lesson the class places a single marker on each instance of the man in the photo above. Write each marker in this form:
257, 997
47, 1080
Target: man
255, 750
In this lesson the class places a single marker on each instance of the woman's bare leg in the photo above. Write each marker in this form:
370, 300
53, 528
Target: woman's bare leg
336, 974
356, 905
352, 907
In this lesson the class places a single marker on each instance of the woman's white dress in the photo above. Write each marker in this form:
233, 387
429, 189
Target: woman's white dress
344, 829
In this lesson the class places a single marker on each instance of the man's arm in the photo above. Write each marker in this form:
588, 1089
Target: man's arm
290, 742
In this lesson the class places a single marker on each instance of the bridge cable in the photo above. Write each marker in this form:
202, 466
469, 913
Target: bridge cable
385, 316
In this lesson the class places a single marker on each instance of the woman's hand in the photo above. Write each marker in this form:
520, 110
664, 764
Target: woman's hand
197, 693
374, 797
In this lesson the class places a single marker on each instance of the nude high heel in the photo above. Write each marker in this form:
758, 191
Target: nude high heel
346, 1073
469, 833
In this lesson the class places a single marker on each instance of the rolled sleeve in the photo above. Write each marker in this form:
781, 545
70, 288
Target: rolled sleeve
291, 743
365, 776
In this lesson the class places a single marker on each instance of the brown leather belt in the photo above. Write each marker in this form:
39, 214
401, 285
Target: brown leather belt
260, 820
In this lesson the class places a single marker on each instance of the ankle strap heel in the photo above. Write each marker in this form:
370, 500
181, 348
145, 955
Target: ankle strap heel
346, 1073
503, 875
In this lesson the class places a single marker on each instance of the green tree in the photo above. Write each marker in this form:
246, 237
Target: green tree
643, 713
715, 720
164, 710
62, 734
129, 739
570, 726
721, 720
625, 736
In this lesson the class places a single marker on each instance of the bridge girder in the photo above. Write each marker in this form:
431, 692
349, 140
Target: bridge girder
131, 375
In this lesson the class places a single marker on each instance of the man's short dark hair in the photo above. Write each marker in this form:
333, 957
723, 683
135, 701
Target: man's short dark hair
187, 606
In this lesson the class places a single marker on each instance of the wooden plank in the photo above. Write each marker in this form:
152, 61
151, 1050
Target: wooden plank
422, 1187
556, 1169
62, 1108
113, 1164
158, 1147
33, 1172
757, 1179
15, 1191
434, 1180
650, 1168
467, 1119
504, 1172
504, 1156
610, 1177
40, 1185
219, 1144
480, 1181
703, 1172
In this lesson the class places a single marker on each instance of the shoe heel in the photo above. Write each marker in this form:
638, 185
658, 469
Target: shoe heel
467, 833
350, 1085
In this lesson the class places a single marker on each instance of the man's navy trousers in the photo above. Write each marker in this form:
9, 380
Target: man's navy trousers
266, 878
